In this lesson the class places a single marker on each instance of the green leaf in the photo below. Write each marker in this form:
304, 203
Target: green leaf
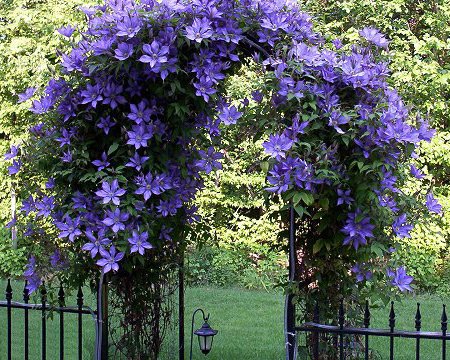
264, 166
300, 210
318, 245
307, 198
297, 198
113, 148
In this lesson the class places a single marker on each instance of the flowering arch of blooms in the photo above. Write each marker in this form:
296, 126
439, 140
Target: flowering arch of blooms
135, 114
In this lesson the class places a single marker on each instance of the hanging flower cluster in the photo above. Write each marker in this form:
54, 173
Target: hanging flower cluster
134, 119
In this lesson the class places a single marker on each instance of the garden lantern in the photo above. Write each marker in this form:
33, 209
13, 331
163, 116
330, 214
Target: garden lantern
205, 334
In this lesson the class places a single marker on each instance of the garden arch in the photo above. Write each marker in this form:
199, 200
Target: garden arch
133, 118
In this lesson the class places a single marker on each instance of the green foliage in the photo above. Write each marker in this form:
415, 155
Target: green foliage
240, 232
28, 39
419, 46
243, 255
12, 261
426, 253
420, 64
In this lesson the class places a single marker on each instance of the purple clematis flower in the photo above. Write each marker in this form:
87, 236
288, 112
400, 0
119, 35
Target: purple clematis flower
28, 205
433, 205
337, 119
91, 95
200, 30
110, 192
169, 207
139, 135
344, 197
110, 259
67, 156
277, 146
279, 178
400, 279
374, 36
147, 186
140, 113
154, 54
106, 124
361, 273
137, 161
69, 228
416, 173
208, 160
45, 206
57, 260
96, 243
115, 219
15, 167
205, 88
101, 164
113, 95
50, 184
357, 229
129, 26
401, 229
27, 94
123, 51
139, 242
13, 152
66, 31
230, 115
165, 233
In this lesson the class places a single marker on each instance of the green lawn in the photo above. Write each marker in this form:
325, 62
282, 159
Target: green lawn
250, 325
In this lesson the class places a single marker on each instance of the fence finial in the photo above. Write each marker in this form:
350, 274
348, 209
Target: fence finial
9, 291
444, 320
26, 293
392, 317
80, 296
61, 296
367, 315
418, 318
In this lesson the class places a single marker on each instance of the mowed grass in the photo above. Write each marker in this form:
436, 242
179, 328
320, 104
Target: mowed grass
250, 325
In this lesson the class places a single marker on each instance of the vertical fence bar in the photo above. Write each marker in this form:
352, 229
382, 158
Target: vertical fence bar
316, 319
418, 327
9, 322
61, 301
26, 299
444, 332
44, 322
341, 327
366, 325
391, 327
80, 323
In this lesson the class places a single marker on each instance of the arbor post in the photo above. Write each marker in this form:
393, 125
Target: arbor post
102, 345
289, 321
181, 308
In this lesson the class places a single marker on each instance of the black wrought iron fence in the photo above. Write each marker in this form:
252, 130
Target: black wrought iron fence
59, 311
344, 350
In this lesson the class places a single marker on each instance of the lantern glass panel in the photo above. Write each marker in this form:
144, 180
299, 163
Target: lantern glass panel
205, 343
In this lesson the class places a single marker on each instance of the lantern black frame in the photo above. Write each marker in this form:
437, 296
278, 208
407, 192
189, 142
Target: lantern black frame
201, 332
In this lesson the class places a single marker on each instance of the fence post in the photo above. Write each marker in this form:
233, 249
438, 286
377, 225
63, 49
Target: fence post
181, 308
444, 332
102, 319
290, 337
8, 300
